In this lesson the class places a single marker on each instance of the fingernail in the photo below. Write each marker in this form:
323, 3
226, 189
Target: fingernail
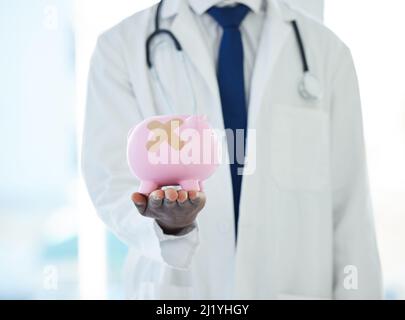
198, 197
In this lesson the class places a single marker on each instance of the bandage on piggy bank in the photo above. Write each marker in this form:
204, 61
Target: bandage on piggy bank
173, 151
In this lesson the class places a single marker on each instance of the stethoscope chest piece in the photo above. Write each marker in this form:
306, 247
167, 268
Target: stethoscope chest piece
310, 87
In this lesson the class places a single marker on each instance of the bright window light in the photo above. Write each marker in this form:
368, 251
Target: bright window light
92, 17
373, 29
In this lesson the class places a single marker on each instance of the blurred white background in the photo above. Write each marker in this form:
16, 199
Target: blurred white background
374, 30
52, 245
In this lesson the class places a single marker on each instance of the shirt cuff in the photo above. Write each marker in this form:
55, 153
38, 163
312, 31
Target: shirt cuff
178, 251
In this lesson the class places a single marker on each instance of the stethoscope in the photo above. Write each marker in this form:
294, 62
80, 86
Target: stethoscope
309, 86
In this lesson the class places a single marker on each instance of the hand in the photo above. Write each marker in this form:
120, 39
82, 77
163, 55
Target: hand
173, 210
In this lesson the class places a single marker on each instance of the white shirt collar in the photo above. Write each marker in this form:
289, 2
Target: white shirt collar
201, 6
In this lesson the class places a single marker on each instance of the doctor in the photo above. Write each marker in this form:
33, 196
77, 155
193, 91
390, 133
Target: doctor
303, 217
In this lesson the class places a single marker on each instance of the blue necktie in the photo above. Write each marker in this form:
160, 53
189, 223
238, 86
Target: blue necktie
232, 88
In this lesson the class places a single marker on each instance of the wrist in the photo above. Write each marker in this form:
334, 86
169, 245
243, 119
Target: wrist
174, 230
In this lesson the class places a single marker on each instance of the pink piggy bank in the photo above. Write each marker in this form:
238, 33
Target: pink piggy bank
173, 151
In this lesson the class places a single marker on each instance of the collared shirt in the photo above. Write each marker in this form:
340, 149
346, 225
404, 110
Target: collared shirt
251, 30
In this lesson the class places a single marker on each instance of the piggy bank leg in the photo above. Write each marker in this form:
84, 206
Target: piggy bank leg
201, 186
147, 187
190, 185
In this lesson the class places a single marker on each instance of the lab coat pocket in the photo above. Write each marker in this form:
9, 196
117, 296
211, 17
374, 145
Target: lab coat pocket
299, 147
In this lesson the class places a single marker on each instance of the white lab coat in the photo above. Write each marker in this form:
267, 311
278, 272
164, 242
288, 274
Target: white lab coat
305, 212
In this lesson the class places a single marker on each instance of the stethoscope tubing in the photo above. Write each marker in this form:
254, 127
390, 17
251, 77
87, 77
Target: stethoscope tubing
303, 90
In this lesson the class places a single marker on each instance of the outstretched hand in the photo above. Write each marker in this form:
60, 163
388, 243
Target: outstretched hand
173, 210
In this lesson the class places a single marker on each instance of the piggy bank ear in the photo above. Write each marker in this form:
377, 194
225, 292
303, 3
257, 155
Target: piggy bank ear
198, 118
130, 132
203, 118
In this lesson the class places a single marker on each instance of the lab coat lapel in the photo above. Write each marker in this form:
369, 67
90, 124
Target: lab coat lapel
276, 31
186, 30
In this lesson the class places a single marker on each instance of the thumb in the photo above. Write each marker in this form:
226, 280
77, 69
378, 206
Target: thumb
139, 201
